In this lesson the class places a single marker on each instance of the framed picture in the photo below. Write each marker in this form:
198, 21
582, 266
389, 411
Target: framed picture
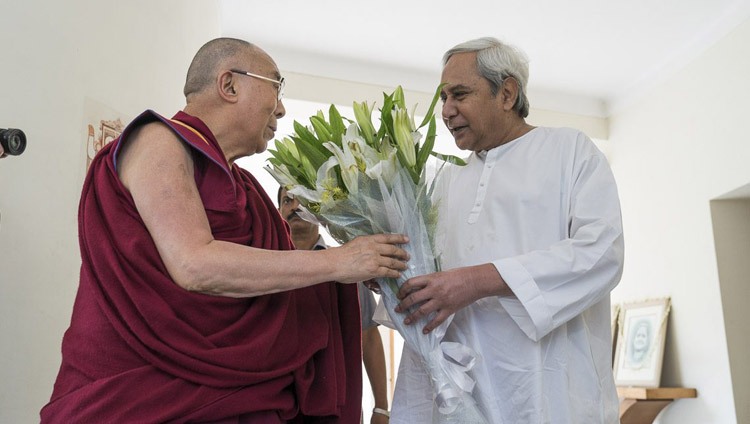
110, 131
642, 330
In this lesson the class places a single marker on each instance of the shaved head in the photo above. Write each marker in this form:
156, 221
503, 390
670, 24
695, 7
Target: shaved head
203, 69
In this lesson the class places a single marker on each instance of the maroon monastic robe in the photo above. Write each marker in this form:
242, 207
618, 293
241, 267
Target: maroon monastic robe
141, 349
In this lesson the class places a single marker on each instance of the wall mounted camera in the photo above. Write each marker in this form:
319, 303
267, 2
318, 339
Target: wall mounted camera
13, 141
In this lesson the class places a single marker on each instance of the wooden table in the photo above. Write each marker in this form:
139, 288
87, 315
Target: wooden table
641, 405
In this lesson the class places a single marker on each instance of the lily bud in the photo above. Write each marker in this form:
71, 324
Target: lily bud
363, 115
402, 130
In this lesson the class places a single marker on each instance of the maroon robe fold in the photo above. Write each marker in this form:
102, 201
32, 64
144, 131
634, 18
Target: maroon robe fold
142, 349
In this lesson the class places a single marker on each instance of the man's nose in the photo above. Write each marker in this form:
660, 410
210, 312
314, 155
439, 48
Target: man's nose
448, 111
280, 109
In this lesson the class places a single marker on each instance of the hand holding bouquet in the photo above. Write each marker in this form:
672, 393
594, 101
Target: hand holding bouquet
357, 180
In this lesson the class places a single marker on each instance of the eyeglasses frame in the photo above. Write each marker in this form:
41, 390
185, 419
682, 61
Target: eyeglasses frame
281, 83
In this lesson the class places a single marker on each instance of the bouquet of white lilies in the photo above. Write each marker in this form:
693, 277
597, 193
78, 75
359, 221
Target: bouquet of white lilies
357, 180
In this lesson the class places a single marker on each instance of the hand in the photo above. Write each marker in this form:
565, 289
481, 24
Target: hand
448, 291
369, 257
2, 152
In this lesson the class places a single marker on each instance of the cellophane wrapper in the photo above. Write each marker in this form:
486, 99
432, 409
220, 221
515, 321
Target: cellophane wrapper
401, 206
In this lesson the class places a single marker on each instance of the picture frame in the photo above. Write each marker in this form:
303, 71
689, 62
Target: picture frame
109, 132
642, 331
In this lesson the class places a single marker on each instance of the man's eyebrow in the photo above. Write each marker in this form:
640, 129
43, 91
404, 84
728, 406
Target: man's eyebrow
453, 88
457, 87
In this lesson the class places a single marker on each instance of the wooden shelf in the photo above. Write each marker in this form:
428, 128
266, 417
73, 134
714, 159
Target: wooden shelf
641, 405
647, 393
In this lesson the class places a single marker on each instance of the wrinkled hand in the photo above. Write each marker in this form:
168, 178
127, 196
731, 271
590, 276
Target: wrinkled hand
448, 291
370, 257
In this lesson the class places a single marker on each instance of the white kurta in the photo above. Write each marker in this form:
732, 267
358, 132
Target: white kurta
544, 210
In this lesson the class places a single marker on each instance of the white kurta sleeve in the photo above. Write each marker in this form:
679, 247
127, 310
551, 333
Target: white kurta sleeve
555, 284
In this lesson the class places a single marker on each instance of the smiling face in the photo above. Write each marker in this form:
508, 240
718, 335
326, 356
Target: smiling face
477, 119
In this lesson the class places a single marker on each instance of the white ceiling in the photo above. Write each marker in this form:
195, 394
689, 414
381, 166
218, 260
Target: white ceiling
586, 56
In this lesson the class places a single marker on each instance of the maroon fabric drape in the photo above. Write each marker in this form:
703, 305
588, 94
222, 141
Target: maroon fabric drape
142, 349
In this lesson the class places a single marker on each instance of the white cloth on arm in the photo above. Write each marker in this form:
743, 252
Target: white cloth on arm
544, 210
367, 304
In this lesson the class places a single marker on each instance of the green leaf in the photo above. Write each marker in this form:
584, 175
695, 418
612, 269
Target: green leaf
398, 97
283, 154
431, 110
305, 134
322, 128
316, 157
429, 143
274, 161
338, 128
298, 174
386, 118
309, 170
450, 159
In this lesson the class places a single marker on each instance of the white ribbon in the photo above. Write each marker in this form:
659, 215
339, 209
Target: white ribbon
455, 360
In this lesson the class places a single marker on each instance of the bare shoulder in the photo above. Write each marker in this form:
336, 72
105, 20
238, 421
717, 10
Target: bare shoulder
152, 147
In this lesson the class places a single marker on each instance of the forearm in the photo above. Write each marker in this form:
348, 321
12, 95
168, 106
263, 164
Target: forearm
233, 270
229, 269
373, 357
486, 281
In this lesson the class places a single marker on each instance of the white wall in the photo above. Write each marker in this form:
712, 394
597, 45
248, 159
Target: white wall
674, 151
128, 55
730, 216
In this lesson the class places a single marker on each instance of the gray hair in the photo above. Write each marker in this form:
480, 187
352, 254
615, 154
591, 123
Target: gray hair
495, 62
202, 70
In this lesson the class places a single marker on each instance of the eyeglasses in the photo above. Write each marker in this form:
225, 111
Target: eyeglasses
280, 87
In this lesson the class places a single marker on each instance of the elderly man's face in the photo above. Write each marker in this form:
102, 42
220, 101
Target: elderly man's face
472, 114
258, 99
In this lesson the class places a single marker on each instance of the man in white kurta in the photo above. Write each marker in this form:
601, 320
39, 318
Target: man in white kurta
531, 240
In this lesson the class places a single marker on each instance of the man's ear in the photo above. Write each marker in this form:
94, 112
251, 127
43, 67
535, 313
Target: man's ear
226, 84
509, 93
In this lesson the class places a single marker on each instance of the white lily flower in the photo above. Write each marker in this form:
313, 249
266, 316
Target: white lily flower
384, 170
305, 193
347, 163
327, 183
365, 156
326, 189
282, 175
326, 172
